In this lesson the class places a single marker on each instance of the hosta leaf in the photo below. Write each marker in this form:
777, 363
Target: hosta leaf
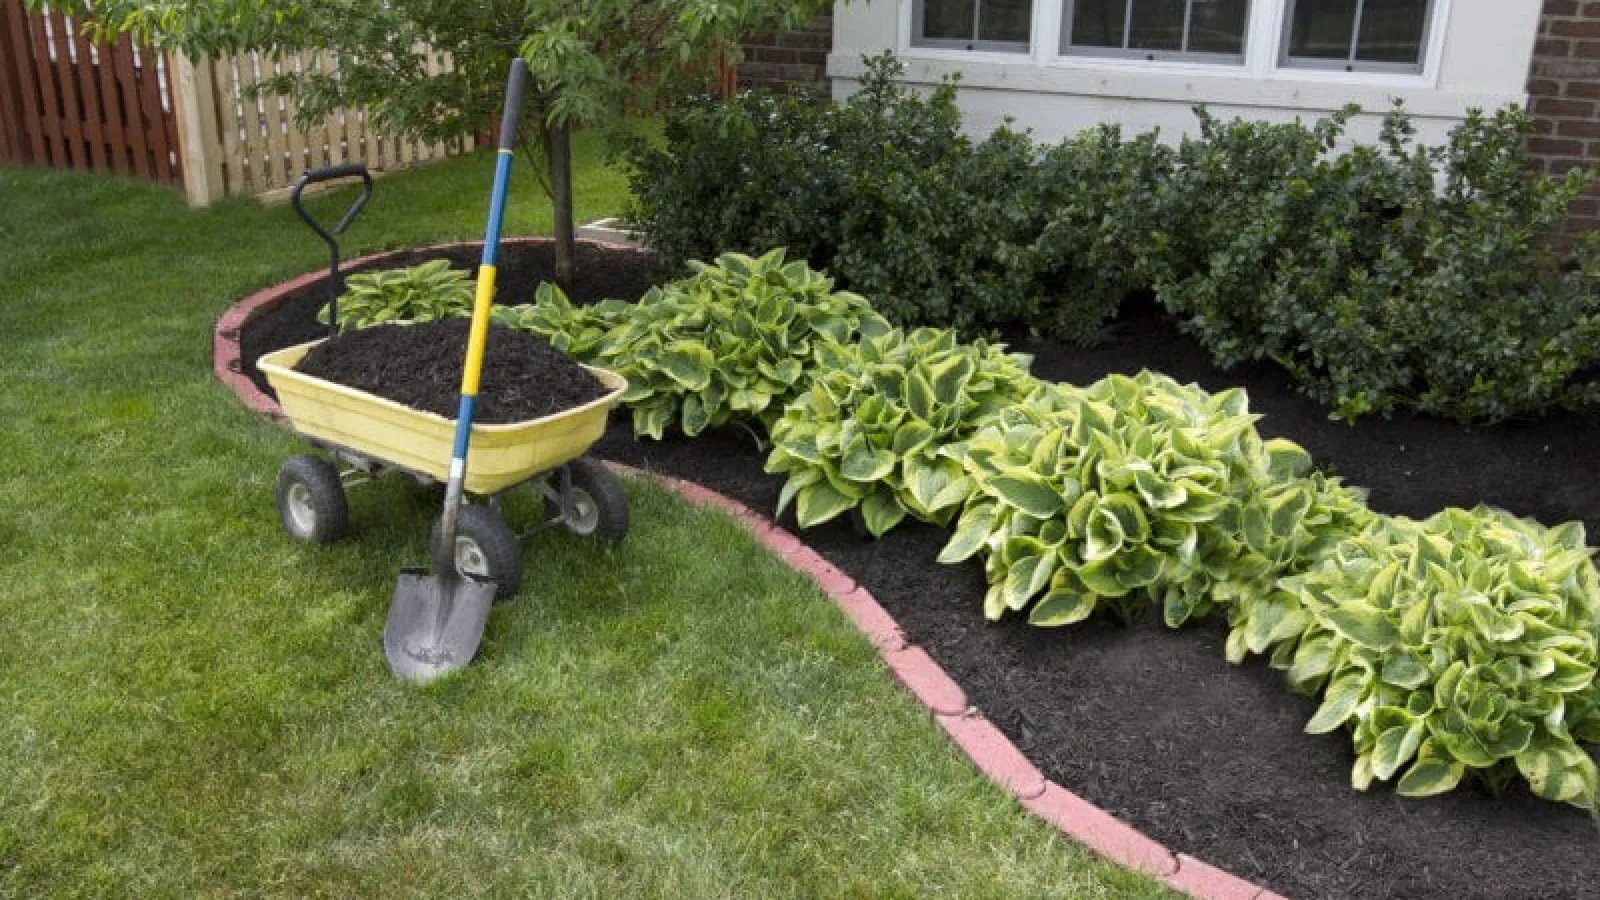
1559, 771
1361, 624
1338, 704
819, 503
1405, 670
1026, 578
1286, 459
1101, 577
793, 484
1028, 492
1158, 491
972, 530
881, 512
1430, 775
688, 363
1396, 746
695, 415
1062, 606
919, 397
1103, 537
866, 464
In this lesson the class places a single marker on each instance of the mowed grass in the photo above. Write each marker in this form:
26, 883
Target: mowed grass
193, 706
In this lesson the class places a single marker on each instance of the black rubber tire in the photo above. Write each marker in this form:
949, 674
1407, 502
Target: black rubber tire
310, 500
494, 545
595, 488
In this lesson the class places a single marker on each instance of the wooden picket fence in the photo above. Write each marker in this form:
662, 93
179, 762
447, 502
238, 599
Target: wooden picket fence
70, 104
66, 103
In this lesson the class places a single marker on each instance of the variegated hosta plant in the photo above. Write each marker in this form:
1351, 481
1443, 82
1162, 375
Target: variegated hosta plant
869, 431
1463, 642
578, 331
1138, 490
738, 338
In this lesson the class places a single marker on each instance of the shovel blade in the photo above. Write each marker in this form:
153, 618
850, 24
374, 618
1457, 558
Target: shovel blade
435, 623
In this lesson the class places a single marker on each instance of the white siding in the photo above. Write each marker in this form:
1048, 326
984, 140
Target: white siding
1478, 56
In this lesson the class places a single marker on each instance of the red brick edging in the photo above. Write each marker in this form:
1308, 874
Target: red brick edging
990, 750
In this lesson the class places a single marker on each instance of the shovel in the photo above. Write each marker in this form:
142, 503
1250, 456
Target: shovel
436, 621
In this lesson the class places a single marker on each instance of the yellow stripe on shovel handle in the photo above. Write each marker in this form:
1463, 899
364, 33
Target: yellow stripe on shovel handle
480, 330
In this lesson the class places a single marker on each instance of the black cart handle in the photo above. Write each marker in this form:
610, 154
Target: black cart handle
332, 173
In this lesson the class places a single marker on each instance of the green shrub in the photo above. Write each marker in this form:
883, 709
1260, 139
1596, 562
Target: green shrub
422, 293
1390, 276
1466, 642
1097, 202
739, 338
885, 191
1139, 490
869, 430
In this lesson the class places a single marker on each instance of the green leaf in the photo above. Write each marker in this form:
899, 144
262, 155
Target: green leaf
1062, 606
881, 512
1103, 536
1362, 625
1027, 491
866, 464
689, 364
1395, 748
1429, 776
972, 531
1338, 704
819, 503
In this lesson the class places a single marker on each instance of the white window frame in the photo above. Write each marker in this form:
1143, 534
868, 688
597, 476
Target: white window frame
1350, 64
1065, 48
1263, 52
1010, 48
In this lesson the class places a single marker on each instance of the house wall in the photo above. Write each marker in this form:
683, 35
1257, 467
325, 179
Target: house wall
790, 62
1564, 91
1478, 56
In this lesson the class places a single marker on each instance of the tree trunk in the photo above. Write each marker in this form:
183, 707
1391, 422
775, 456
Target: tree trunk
558, 156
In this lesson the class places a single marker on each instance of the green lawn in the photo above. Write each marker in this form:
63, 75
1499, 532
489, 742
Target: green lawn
192, 706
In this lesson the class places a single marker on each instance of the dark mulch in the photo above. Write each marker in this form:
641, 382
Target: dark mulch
603, 272
1156, 727
420, 366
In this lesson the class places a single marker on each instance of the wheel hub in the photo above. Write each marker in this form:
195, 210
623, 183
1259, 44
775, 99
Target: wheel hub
470, 558
585, 517
301, 511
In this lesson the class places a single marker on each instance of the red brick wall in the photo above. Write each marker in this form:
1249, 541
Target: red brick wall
792, 62
1564, 96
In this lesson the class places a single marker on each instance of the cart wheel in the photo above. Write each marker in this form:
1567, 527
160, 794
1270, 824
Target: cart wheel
600, 507
311, 500
486, 548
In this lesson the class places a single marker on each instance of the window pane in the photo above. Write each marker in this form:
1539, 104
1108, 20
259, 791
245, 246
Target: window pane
1217, 26
1157, 25
1391, 31
947, 19
1004, 20
1098, 23
1322, 28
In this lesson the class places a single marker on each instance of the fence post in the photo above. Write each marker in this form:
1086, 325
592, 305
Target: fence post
194, 100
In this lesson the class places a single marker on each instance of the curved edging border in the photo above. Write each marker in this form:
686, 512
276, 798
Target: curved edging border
988, 748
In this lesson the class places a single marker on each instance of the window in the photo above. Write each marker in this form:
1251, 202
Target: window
1357, 35
1002, 25
1205, 30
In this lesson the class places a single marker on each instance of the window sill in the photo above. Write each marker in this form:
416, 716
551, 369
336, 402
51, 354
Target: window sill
1184, 82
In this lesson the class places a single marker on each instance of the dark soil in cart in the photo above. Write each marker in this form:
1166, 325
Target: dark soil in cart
420, 366
603, 272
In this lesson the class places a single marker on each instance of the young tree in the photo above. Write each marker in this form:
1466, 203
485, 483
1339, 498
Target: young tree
593, 61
